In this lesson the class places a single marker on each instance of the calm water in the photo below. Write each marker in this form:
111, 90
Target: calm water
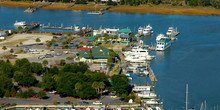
193, 58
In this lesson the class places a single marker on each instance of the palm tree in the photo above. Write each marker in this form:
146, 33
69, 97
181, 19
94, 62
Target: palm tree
4, 48
101, 86
78, 86
11, 51
95, 86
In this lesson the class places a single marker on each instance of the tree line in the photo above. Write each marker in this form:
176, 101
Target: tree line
74, 80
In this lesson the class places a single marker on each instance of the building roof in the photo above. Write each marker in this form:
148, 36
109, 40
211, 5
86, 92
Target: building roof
124, 31
84, 48
100, 52
97, 53
84, 44
84, 53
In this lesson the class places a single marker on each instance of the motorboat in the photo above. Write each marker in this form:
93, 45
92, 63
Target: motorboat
76, 28
146, 95
172, 32
140, 30
150, 102
21, 23
148, 30
160, 36
139, 53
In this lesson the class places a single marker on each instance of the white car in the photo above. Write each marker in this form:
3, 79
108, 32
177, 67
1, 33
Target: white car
52, 92
97, 102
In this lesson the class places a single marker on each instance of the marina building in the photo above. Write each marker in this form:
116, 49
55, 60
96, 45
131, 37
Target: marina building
2, 35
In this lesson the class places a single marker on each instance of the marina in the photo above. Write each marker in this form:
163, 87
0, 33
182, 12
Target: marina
169, 65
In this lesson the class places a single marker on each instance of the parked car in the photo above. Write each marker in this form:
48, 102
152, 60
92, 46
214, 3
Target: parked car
41, 57
97, 103
48, 55
35, 52
68, 102
58, 54
52, 92
83, 102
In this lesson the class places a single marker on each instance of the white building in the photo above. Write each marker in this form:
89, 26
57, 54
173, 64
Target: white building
2, 35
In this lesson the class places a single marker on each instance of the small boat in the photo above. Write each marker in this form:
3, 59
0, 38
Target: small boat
21, 23
150, 102
95, 13
148, 30
30, 10
76, 28
172, 32
146, 95
140, 30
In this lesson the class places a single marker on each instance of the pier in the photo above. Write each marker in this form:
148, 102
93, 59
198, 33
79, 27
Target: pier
152, 75
33, 9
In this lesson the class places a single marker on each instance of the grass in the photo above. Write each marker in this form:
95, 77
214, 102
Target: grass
157, 9
15, 42
115, 71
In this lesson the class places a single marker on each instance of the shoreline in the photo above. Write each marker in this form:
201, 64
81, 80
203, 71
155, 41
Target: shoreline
142, 9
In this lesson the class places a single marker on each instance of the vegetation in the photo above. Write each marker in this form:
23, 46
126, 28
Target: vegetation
70, 80
38, 40
41, 94
4, 48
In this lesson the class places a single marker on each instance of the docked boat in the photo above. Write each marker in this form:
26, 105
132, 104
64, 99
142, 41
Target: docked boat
30, 10
95, 13
150, 102
148, 30
138, 53
172, 32
146, 95
140, 30
160, 36
163, 43
21, 23
76, 28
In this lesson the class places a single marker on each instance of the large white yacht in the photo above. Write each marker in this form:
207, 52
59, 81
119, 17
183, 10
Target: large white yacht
146, 94
138, 52
148, 30
21, 23
163, 42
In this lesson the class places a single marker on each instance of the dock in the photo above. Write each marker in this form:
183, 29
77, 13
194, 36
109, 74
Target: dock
33, 9
152, 75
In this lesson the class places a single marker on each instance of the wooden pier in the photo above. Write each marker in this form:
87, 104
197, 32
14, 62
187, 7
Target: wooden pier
152, 75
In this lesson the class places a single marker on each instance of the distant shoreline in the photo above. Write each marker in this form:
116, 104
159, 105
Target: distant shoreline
154, 9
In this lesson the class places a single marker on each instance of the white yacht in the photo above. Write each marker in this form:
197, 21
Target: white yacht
140, 30
139, 53
95, 13
163, 44
150, 102
146, 95
160, 36
76, 28
21, 23
172, 32
135, 58
148, 30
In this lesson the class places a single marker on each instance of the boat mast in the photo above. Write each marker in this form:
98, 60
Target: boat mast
186, 96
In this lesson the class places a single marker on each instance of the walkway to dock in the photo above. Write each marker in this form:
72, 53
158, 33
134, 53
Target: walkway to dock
152, 75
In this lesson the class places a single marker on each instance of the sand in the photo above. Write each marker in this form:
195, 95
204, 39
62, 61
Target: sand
26, 39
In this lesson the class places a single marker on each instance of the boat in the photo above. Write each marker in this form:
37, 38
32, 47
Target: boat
146, 95
30, 10
140, 30
138, 52
148, 30
21, 23
150, 102
95, 13
172, 32
160, 36
76, 28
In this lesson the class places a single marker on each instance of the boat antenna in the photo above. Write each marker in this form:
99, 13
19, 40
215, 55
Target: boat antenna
186, 96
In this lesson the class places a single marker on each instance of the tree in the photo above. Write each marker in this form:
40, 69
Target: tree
21, 43
41, 94
5, 84
26, 28
70, 34
78, 86
48, 82
90, 56
4, 48
69, 58
13, 92
7, 93
36, 67
101, 86
38, 40
45, 63
95, 85
120, 83
62, 62
11, 51
19, 28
